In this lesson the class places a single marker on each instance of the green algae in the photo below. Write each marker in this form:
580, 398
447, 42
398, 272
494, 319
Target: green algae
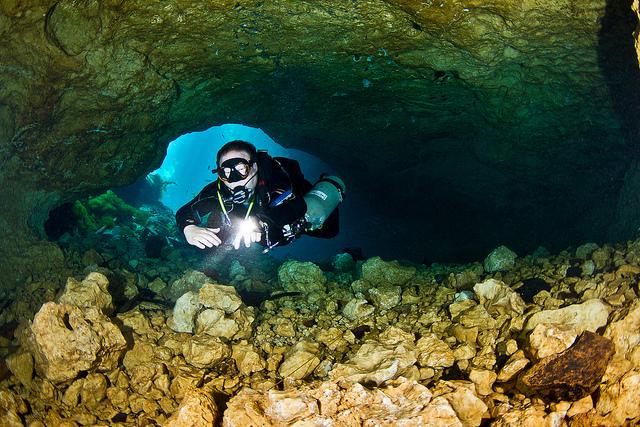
105, 211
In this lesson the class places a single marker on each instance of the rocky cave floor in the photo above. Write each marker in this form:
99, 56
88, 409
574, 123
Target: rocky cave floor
128, 340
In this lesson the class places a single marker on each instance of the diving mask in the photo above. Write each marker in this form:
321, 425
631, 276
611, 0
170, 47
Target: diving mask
235, 169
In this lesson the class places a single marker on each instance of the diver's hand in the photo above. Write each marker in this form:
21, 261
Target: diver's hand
202, 237
248, 232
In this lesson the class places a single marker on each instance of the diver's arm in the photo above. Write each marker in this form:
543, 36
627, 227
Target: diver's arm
193, 212
288, 212
190, 216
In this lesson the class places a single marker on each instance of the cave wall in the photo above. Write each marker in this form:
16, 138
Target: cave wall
456, 112
627, 217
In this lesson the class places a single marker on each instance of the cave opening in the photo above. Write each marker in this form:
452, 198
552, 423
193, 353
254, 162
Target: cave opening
145, 209
188, 165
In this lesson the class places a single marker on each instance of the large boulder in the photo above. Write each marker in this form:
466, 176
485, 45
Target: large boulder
184, 313
385, 297
205, 351
625, 334
93, 291
378, 361
198, 408
500, 259
216, 310
220, 297
300, 361
377, 272
499, 298
588, 316
66, 340
433, 352
191, 281
572, 374
548, 339
304, 277
248, 359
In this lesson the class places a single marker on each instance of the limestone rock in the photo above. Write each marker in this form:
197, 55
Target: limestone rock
460, 306
9, 409
139, 323
395, 336
71, 396
465, 279
207, 319
580, 406
379, 272
300, 361
498, 298
625, 334
247, 358
529, 417
401, 403
548, 339
196, 409
92, 257
157, 286
184, 312
284, 328
222, 297
516, 363
602, 257
66, 340
477, 316
358, 308
573, 374
619, 401
93, 291
244, 319
462, 296
588, 268
588, 316
191, 281
584, 251
500, 259
334, 338
205, 351
227, 317
433, 352
469, 407
185, 378
483, 380
21, 365
141, 353
343, 263
375, 363
94, 390
385, 297
304, 277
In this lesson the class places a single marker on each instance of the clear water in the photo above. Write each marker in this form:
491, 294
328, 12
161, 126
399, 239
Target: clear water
191, 157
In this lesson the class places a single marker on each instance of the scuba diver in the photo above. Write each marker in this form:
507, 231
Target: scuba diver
262, 199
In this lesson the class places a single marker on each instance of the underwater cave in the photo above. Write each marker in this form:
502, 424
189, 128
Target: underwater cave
490, 154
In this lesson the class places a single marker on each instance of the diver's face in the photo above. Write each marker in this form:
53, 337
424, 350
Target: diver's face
252, 178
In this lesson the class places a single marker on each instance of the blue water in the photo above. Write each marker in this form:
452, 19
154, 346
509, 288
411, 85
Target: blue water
191, 157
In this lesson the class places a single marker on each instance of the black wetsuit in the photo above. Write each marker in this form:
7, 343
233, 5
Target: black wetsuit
277, 201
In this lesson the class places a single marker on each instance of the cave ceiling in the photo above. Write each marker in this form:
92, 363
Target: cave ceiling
436, 104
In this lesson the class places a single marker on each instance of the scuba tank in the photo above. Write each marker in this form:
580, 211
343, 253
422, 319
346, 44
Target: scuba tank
322, 199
